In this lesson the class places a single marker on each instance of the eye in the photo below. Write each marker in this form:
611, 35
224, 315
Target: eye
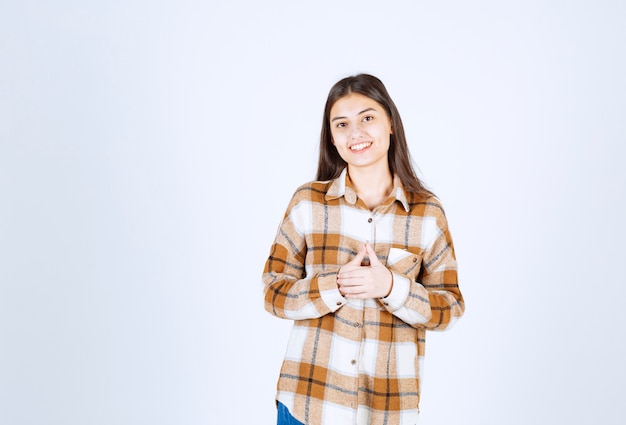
341, 124
368, 118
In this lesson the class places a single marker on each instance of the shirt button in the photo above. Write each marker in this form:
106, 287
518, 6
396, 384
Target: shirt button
339, 303
352, 362
415, 259
369, 220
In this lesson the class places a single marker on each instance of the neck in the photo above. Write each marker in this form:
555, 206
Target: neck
372, 186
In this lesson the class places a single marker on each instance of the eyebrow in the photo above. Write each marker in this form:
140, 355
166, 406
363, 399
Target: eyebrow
362, 112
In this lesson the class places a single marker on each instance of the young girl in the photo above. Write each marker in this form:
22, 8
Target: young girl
364, 264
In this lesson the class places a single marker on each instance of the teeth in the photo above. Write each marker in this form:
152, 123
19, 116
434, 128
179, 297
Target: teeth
359, 146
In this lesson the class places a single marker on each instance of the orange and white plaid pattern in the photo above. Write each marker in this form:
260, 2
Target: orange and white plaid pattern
358, 361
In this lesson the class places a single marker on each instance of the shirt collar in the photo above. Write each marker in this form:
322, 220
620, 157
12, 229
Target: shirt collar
342, 187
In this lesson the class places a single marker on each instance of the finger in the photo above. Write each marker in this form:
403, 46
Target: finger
349, 271
355, 293
352, 291
350, 278
371, 254
352, 272
359, 256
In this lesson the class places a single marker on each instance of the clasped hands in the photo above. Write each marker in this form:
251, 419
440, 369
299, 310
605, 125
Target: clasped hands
355, 280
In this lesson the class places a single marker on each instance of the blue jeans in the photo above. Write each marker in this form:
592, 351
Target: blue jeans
284, 417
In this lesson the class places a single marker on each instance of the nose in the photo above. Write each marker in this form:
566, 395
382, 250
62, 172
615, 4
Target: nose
357, 131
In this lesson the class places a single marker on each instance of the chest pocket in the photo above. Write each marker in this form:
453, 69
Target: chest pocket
404, 262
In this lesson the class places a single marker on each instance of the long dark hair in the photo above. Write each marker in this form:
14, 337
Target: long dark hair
331, 164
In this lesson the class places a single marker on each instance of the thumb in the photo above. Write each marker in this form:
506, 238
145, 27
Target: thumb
359, 256
371, 254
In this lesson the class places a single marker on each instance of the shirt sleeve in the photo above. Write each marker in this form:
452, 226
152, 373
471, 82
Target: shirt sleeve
433, 301
288, 291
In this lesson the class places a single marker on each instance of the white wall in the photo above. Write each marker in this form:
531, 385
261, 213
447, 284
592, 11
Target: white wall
148, 150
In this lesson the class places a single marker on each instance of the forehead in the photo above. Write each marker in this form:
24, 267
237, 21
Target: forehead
353, 104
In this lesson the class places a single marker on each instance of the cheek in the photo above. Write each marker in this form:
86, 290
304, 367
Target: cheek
335, 138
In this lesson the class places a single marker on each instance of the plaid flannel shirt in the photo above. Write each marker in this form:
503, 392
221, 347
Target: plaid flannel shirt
358, 361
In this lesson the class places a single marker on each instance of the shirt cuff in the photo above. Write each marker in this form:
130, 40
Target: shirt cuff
330, 292
399, 293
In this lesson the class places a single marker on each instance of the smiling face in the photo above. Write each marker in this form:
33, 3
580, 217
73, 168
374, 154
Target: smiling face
361, 131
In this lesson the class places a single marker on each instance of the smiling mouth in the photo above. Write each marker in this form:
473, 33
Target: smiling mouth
360, 146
